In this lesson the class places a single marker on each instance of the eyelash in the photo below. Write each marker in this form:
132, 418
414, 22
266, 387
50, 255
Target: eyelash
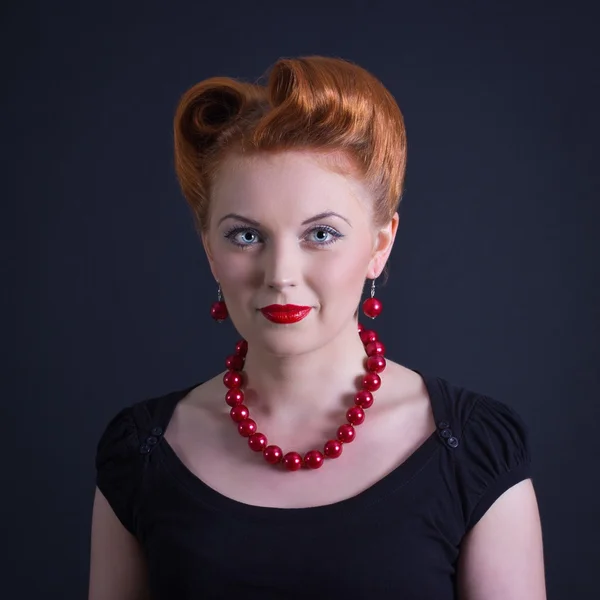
231, 234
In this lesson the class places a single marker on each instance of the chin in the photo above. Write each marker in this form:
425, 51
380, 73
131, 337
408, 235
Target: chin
282, 340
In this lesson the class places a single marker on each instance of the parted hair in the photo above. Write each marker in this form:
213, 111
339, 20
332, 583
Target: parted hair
329, 105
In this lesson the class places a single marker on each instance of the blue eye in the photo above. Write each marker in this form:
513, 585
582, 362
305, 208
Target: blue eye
232, 235
333, 234
249, 236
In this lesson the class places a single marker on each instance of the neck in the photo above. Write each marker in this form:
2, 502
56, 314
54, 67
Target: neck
286, 389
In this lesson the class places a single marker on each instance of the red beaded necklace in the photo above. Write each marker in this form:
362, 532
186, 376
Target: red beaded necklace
346, 433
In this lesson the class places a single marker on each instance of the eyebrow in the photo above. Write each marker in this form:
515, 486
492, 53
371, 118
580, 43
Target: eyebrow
323, 215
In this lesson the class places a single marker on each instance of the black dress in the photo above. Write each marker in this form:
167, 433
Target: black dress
400, 538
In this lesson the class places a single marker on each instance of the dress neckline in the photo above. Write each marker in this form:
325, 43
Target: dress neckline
390, 483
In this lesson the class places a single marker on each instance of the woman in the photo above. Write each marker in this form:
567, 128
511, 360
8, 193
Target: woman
313, 465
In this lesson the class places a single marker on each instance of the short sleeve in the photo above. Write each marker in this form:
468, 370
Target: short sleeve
495, 456
118, 466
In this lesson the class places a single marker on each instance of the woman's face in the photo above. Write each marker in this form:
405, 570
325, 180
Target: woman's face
286, 230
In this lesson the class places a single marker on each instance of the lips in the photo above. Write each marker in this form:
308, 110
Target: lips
285, 313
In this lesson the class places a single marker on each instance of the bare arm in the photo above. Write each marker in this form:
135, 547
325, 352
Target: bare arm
502, 556
117, 566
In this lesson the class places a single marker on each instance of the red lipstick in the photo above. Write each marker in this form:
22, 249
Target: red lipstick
285, 313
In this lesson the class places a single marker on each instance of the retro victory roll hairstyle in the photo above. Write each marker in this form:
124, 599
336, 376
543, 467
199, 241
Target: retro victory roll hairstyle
329, 105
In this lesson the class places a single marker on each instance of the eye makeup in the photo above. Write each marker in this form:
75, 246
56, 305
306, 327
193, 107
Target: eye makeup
232, 235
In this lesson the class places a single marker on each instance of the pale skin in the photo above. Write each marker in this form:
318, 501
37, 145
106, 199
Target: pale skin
305, 373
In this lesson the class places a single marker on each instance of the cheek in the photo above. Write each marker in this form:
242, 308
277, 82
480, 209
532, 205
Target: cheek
344, 270
234, 270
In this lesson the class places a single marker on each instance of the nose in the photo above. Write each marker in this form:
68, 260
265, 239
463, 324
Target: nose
282, 264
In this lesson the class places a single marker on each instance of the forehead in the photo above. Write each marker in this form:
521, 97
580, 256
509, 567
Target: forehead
294, 184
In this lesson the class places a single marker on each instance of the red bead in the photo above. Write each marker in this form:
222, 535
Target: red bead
234, 397
313, 459
218, 311
241, 348
273, 454
232, 379
371, 382
372, 307
257, 441
234, 362
355, 415
368, 336
364, 399
376, 363
292, 461
239, 413
360, 327
346, 433
333, 448
375, 348
247, 427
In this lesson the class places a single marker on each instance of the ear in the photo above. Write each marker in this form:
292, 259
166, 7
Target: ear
382, 246
209, 254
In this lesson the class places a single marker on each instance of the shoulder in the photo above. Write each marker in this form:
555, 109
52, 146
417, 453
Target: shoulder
124, 428
493, 453
473, 412
124, 447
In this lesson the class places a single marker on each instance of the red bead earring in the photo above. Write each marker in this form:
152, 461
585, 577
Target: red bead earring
371, 306
218, 311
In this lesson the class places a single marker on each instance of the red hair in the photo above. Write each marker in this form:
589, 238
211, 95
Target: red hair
329, 105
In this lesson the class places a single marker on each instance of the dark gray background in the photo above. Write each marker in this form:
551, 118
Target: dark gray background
493, 279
